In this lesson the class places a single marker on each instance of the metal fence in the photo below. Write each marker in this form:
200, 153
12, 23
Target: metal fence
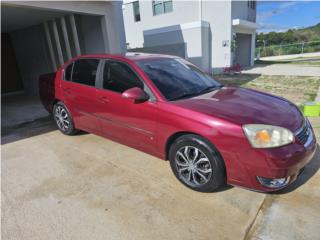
287, 49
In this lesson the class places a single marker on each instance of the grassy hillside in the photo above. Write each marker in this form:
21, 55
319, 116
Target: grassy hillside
291, 36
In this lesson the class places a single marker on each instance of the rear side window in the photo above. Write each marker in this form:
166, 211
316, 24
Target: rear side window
68, 72
118, 77
85, 71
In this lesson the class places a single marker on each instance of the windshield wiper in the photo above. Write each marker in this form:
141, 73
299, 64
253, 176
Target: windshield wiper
185, 95
203, 91
209, 89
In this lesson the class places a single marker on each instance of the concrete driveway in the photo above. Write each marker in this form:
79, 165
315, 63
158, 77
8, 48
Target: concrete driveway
86, 187
284, 69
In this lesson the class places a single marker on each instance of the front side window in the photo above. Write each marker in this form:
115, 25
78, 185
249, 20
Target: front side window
118, 77
136, 11
84, 71
177, 78
161, 6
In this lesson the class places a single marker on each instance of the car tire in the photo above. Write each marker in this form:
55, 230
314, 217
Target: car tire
63, 119
197, 164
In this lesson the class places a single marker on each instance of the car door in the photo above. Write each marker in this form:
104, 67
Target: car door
80, 93
131, 123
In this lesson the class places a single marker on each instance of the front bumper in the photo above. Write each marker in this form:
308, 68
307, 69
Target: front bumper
276, 163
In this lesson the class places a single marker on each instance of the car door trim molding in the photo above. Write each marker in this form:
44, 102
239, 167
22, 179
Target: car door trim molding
145, 132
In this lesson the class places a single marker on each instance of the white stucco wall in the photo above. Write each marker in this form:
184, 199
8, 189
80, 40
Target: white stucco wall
195, 36
218, 14
241, 10
113, 27
134, 30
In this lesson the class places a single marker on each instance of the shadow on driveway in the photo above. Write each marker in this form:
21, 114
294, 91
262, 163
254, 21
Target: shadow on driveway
27, 129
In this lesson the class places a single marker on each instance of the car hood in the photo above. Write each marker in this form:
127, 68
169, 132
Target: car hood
245, 106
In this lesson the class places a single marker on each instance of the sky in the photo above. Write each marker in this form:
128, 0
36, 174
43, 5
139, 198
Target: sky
281, 15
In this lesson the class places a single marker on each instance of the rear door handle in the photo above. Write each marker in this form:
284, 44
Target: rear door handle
104, 99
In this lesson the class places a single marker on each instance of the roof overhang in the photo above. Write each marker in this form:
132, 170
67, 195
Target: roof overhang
244, 24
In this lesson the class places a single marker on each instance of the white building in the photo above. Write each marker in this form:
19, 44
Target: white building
37, 37
211, 34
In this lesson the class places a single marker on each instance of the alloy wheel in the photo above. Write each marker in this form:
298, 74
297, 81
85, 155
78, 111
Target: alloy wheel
62, 118
193, 166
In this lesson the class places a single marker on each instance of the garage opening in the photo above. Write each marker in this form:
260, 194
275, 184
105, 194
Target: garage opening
243, 49
11, 78
36, 41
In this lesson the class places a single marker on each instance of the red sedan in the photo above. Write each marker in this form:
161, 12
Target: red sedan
167, 107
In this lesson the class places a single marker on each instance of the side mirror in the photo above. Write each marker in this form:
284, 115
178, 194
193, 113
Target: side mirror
136, 94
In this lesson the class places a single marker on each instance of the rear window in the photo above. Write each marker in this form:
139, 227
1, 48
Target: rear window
85, 71
68, 72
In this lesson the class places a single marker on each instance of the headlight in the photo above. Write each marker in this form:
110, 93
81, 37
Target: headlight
267, 136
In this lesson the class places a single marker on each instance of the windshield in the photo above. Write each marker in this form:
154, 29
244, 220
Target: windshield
177, 78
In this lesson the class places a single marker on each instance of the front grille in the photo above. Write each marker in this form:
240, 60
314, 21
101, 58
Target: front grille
303, 133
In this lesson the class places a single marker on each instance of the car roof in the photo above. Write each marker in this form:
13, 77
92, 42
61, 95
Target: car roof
133, 56
141, 56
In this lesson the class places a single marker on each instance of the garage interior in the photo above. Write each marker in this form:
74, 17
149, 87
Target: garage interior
36, 39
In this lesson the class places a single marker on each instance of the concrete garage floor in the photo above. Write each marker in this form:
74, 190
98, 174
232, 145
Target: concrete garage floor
19, 109
86, 187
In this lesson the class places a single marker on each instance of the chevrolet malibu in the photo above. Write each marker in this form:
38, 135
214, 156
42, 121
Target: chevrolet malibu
167, 107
